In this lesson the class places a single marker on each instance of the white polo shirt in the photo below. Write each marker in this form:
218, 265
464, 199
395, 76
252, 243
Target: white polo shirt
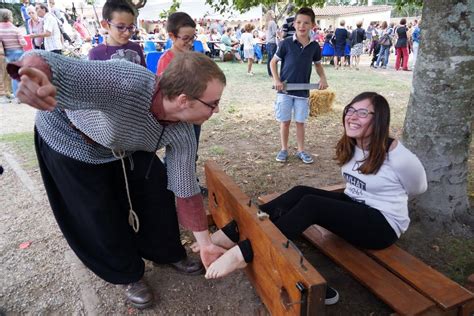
50, 24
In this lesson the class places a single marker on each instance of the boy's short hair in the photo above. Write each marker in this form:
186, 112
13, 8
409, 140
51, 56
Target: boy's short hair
178, 20
359, 24
306, 11
189, 73
112, 6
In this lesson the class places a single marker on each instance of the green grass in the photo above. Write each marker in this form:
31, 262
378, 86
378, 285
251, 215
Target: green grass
217, 150
22, 145
461, 258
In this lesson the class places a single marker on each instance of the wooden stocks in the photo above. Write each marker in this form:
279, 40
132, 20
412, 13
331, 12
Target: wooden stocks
286, 283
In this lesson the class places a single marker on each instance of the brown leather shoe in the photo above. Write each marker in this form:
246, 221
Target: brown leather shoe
187, 266
139, 294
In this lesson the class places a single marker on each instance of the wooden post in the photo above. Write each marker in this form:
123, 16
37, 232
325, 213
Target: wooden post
286, 283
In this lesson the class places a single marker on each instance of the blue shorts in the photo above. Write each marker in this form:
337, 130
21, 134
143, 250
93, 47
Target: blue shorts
285, 105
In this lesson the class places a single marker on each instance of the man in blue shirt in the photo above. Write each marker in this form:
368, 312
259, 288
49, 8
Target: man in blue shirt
25, 15
296, 53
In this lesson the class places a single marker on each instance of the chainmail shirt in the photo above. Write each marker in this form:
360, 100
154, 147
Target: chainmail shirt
109, 101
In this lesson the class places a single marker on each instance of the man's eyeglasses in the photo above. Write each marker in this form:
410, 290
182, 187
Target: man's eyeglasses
362, 113
122, 28
212, 106
186, 38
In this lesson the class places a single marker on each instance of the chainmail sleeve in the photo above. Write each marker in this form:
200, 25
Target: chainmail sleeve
109, 101
97, 84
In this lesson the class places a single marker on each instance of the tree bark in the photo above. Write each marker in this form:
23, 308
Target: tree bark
439, 118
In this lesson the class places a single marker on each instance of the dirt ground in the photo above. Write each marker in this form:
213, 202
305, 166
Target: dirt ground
41, 275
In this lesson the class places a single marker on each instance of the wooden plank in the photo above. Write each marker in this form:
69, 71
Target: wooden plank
467, 309
449, 295
275, 269
389, 288
428, 281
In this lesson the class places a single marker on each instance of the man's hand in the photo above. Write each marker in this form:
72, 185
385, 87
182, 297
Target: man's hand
210, 253
35, 86
36, 90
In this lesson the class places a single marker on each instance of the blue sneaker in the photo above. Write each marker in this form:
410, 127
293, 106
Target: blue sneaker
306, 158
282, 156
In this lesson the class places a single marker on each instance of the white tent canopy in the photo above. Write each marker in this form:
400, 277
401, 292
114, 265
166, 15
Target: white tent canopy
197, 9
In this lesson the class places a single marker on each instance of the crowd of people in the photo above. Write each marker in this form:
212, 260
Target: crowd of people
106, 142
47, 28
344, 45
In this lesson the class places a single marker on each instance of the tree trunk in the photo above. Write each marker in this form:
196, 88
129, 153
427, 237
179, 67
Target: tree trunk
438, 124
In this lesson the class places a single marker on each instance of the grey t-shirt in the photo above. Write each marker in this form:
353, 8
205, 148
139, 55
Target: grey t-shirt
271, 32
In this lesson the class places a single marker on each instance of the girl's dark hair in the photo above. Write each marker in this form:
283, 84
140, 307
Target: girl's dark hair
112, 6
306, 11
378, 141
178, 20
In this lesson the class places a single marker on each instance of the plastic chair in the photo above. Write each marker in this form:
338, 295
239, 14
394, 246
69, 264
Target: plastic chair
29, 43
149, 47
168, 44
152, 59
198, 47
96, 40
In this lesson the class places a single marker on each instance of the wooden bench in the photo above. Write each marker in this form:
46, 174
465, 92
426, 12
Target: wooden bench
403, 282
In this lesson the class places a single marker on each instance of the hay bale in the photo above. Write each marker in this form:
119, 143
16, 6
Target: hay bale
321, 101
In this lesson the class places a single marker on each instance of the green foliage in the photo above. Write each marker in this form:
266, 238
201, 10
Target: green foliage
16, 10
222, 6
174, 7
403, 8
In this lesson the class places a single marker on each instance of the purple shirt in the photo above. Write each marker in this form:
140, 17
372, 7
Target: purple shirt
130, 51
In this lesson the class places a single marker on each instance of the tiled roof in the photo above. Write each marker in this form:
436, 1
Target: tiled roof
350, 10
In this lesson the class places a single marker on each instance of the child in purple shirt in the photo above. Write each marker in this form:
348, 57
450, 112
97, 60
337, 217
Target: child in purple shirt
130, 51
120, 27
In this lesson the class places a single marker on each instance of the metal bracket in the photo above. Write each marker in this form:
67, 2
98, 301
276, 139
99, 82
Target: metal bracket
285, 298
289, 243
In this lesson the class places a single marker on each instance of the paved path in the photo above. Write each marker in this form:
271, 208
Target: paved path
41, 275
15, 118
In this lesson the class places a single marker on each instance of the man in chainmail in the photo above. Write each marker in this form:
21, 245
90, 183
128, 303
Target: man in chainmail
96, 134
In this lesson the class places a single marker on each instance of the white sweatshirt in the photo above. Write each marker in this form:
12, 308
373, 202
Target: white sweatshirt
401, 174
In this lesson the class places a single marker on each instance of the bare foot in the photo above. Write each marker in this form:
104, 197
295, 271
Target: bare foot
218, 238
227, 263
